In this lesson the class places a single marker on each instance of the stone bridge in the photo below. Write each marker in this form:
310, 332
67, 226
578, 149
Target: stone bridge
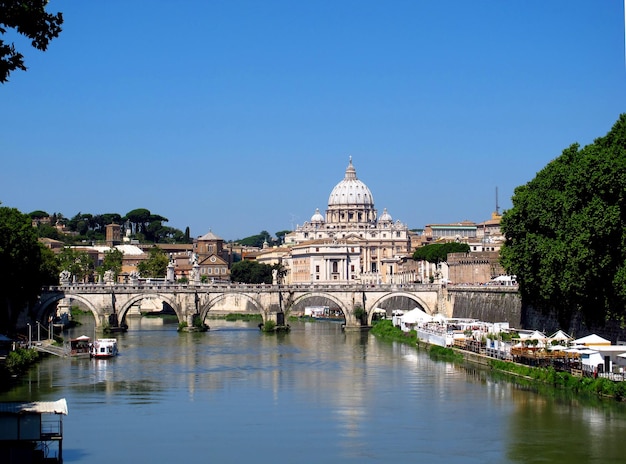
113, 302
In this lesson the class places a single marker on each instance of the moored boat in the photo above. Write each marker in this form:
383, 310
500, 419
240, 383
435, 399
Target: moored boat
80, 346
104, 348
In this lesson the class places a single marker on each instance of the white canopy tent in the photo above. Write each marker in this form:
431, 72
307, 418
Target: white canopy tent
414, 316
591, 340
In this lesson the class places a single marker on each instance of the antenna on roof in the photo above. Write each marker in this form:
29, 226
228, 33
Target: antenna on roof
295, 218
497, 206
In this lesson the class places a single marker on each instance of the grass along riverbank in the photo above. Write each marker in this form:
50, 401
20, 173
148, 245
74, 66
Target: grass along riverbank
540, 377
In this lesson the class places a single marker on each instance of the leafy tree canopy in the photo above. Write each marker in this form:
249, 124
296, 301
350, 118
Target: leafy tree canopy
30, 19
39, 214
256, 240
251, 272
23, 270
112, 262
280, 235
155, 265
438, 252
86, 227
77, 262
566, 234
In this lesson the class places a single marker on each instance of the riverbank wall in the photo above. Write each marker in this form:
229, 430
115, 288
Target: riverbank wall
504, 304
489, 304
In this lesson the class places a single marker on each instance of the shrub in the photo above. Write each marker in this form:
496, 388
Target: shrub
269, 326
20, 359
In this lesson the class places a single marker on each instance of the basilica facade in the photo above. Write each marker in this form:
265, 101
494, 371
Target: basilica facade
350, 243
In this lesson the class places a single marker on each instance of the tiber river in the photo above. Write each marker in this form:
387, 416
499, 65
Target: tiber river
315, 395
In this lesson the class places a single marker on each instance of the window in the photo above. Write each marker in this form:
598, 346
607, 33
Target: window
317, 268
335, 266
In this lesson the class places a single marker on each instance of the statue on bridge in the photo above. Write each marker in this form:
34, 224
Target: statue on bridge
134, 277
109, 277
65, 276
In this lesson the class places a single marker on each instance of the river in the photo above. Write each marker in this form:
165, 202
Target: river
316, 394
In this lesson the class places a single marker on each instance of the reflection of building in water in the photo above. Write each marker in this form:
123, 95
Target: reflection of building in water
351, 243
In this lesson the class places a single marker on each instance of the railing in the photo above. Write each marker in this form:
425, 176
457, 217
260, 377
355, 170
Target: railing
51, 427
207, 287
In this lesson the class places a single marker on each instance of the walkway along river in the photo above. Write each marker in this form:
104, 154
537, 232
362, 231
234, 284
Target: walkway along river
316, 394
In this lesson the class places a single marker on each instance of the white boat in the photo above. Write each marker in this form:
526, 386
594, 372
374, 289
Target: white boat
104, 348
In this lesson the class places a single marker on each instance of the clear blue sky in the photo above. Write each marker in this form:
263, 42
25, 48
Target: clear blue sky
239, 116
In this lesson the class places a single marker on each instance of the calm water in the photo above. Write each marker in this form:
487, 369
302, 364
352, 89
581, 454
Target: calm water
235, 395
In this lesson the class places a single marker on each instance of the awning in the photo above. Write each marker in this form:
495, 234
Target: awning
39, 407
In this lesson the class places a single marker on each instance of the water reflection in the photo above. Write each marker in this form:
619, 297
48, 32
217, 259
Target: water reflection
316, 394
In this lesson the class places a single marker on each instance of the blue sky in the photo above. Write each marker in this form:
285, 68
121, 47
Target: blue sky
239, 116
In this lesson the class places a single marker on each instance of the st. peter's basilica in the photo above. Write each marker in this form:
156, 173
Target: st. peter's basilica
351, 243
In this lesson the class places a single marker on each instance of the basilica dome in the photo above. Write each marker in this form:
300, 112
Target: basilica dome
317, 217
351, 191
385, 217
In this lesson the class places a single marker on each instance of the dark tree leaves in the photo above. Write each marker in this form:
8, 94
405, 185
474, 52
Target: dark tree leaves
565, 234
30, 19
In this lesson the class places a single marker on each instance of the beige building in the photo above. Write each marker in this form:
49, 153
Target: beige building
350, 243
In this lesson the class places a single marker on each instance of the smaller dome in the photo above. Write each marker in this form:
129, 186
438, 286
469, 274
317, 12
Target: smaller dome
317, 217
385, 217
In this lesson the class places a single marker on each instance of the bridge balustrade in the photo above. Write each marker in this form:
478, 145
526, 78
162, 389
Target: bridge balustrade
107, 288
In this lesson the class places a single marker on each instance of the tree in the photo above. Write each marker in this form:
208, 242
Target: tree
112, 262
39, 214
155, 265
30, 19
565, 237
256, 240
22, 273
139, 219
251, 272
76, 262
280, 235
145, 224
438, 252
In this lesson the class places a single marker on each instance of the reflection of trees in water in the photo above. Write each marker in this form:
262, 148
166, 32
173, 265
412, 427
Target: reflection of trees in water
554, 426
548, 431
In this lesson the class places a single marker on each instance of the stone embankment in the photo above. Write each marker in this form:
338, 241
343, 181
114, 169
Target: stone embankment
485, 303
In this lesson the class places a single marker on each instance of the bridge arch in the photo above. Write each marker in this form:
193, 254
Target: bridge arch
411, 296
206, 307
305, 296
42, 310
155, 296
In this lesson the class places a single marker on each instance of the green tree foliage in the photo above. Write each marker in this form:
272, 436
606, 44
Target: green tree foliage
280, 235
438, 252
155, 265
147, 226
47, 231
76, 262
30, 19
566, 234
251, 272
256, 240
112, 262
39, 214
22, 273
